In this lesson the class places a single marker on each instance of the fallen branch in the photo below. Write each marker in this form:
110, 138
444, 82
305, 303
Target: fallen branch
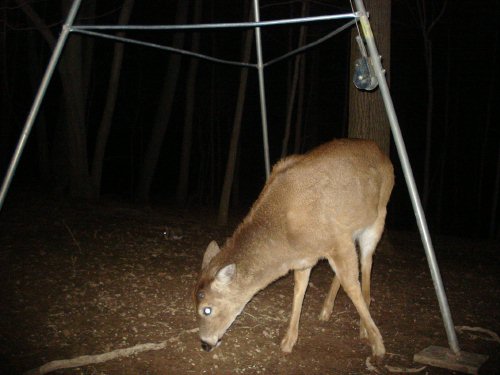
493, 336
85, 360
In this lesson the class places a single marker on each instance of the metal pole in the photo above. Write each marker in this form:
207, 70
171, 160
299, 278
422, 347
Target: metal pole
262, 91
410, 181
38, 100
224, 25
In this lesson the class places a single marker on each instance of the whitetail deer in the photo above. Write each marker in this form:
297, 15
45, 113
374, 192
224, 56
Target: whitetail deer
314, 206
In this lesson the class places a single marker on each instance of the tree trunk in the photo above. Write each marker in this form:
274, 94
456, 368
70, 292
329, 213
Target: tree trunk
164, 111
494, 222
300, 108
443, 167
299, 60
309, 128
428, 122
76, 134
187, 136
75, 66
427, 22
70, 68
109, 107
367, 114
6, 101
59, 160
235, 134
487, 136
87, 14
41, 128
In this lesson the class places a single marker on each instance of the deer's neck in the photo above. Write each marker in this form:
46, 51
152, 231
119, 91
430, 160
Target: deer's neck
262, 255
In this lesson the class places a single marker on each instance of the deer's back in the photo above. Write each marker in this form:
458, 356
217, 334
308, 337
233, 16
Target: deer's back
334, 190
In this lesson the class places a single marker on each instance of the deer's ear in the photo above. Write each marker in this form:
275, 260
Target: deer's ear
211, 251
226, 274
224, 277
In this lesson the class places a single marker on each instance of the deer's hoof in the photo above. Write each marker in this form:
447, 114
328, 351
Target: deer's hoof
288, 343
324, 315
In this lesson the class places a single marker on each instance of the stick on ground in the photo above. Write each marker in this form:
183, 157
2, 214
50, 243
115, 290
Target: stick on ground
85, 360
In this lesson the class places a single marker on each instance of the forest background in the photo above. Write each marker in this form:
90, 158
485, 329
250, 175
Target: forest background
137, 124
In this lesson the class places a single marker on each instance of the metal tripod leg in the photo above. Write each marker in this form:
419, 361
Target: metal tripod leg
455, 353
262, 90
54, 59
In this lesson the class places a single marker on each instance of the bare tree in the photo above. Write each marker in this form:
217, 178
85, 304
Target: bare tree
292, 95
443, 159
74, 69
187, 135
367, 115
494, 231
300, 107
76, 65
109, 107
5, 90
235, 134
41, 128
164, 111
488, 130
428, 14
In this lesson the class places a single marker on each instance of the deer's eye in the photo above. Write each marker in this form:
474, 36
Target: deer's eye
207, 311
201, 295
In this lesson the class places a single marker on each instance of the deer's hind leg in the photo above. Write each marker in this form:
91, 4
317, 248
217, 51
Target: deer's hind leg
368, 240
344, 261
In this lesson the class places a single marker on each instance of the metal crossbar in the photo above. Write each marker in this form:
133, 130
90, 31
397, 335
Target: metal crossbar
89, 31
223, 25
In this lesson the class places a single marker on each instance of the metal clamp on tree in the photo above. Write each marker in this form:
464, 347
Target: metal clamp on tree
364, 77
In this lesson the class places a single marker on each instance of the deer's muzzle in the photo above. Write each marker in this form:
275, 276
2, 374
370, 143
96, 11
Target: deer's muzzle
206, 346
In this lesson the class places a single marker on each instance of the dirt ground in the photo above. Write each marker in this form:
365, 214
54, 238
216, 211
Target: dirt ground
84, 280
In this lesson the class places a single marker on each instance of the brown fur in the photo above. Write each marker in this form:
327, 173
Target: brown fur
314, 206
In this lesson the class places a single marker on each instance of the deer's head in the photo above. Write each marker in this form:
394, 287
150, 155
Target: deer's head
218, 297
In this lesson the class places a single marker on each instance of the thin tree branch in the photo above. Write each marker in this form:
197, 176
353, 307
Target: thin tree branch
38, 22
438, 17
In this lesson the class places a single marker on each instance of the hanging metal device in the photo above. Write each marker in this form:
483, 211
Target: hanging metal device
364, 76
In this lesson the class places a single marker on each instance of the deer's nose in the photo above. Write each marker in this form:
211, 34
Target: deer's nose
206, 346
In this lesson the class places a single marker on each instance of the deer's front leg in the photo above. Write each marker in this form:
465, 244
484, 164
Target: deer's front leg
301, 280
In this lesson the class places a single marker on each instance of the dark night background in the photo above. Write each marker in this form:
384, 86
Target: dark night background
465, 160
92, 263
